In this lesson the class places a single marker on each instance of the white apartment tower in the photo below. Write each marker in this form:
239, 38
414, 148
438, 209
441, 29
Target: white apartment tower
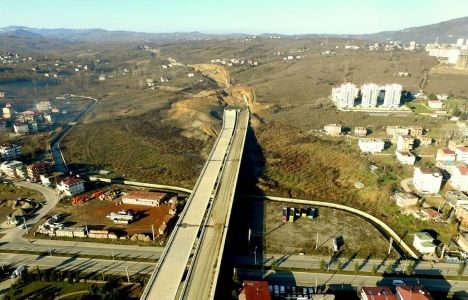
349, 93
345, 94
370, 93
392, 95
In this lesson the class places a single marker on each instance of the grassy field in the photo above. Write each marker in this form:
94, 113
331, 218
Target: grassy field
36, 288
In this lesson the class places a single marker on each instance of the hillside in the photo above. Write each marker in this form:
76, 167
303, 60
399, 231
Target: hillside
447, 31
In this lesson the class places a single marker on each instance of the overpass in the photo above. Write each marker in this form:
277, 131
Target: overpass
194, 250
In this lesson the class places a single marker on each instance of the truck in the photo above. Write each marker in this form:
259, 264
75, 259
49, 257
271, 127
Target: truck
311, 213
17, 271
291, 214
285, 214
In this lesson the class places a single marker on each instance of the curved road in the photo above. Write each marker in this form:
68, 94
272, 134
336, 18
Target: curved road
60, 164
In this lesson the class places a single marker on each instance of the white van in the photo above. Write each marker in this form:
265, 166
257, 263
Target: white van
17, 272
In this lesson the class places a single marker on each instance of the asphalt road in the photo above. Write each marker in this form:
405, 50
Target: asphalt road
340, 281
203, 276
77, 264
60, 164
313, 263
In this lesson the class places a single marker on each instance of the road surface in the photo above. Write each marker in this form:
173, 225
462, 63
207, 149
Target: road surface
201, 283
57, 155
346, 281
78, 264
365, 265
164, 284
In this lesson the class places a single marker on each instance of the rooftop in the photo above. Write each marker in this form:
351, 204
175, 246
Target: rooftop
434, 171
417, 292
255, 290
424, 236
379, 293
71, 180
463, 149
447, 151
463, 170
145, 195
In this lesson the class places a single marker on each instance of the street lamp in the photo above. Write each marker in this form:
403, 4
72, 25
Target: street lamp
255, 254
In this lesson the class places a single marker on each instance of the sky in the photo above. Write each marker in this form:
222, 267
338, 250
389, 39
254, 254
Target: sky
234, 16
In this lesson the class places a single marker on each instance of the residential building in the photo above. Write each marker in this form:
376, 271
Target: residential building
410, 292
102, 77
397, 130
435, 104
392, 96
360, 131
424, 243
461, 213
462, 154
190, 75
377, 293
11, 168
405, 143
332, 129
456, 198
445, 157
10, 151
403, 199
51, 180
43, 105
416, 131
7, 112
371, 145
71, 186
345, 95
427, 180
369, 94
20, 127
144, 198
255, 290
424, 141
429, 214
405, 158
37, 169
459, 178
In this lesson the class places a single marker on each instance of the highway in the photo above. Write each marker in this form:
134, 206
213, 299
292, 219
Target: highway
164, 282
365, 265
203, 273
346, 281
78, 264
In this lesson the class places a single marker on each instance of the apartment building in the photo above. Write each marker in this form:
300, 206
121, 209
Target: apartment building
377, 293
346, 95
459, 178
360, 131
405, 158
445, 157
71, 186
37, 169
424, 243
462, 154
10, 151
370, 94
405, 143
427, 180
410, 292
392, 96
371, 145
332, 129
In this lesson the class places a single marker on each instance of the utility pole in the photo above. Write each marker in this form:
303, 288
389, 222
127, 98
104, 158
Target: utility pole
126, 271
390, 245
255, 254
1, 261
249, 235
112, 253
316, 242
152, 230
24, 223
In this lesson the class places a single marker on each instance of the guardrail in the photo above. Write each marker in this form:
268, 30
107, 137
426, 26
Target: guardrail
206, 219
365, 215
223, 242
150, 283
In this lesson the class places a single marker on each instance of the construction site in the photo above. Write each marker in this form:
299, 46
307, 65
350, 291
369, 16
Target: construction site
115, 213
